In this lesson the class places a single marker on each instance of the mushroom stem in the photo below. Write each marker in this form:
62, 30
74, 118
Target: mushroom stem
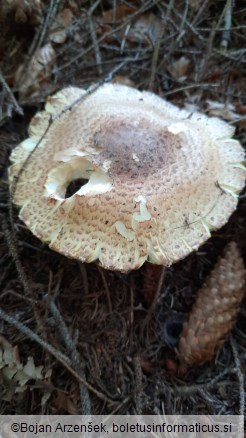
151, 278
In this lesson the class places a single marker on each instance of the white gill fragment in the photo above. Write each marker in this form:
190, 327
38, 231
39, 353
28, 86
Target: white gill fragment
143, 214
125, 232
135, 157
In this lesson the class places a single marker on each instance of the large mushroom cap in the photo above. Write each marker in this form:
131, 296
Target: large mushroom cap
157, 179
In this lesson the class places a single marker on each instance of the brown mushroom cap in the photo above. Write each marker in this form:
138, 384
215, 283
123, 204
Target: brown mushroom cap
159, 178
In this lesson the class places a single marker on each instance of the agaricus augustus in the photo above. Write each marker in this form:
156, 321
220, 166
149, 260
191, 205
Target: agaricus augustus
156, 179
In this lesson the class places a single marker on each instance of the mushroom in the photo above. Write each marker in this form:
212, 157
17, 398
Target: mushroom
155, 179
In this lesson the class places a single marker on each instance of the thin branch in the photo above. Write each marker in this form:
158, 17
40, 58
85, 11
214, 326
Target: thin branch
107, 34
200, 11
208, 53
227, 18
34, 337
64, 360
75, 357
44, 27
94, 37
12, 246
17, 107
183, 20
189, 87
155, 57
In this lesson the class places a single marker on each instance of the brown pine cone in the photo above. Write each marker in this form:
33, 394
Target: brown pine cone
213, 314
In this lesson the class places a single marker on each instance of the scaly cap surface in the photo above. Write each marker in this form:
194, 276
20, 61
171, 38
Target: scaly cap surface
159, 178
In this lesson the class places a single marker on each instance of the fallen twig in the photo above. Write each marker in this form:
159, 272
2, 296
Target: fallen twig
155, 57
227, 17
64, 360
94, 36
17, 107
12, 246
76, 361
42, 31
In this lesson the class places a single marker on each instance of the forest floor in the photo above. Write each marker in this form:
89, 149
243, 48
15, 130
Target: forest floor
76, 338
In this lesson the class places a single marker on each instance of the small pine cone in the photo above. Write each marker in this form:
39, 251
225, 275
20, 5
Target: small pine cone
212, 316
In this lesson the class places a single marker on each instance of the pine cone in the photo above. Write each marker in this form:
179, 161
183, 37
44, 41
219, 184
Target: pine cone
214, 311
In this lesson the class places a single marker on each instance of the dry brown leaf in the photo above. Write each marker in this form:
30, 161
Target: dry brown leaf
145, 30
63, 402
242, 124
30, 79
123, 80
214, 311
179, 68
105, 23
118, 14
59, 29
241, 109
